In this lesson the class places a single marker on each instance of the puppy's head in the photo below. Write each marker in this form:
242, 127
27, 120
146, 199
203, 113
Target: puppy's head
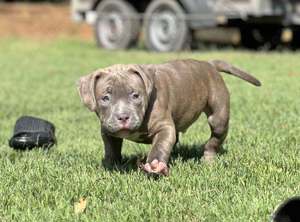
119, 95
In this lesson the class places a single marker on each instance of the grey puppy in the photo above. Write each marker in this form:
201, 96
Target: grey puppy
152, 103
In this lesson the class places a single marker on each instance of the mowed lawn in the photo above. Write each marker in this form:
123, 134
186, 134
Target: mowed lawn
259, 168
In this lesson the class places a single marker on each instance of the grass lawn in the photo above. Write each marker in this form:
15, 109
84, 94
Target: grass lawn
260, 168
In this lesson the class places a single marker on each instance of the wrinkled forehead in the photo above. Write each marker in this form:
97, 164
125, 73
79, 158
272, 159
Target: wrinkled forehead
119, 82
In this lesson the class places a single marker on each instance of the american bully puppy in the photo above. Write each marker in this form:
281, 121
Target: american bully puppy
152, 103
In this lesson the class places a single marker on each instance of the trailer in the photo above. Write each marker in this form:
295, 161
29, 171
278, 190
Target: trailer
170, 25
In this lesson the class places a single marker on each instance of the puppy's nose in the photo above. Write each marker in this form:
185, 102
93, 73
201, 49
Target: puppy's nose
123, 117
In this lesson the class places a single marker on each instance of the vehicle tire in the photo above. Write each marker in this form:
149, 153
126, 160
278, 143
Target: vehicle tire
270, 36
117, 25
165, 26
266, 37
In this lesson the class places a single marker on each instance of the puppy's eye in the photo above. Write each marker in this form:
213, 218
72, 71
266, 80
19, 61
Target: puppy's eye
135, 95
105, 98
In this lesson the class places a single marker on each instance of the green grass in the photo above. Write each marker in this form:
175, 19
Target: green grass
260, 168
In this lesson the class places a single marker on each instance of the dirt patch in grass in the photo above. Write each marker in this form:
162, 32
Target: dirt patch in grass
40, 21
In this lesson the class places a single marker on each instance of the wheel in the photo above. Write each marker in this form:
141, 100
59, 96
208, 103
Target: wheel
165, 26
117, 25
270, 36
255, 37
247, 38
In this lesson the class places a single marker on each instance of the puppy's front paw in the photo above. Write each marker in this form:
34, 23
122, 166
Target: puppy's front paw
156, 167
209, 157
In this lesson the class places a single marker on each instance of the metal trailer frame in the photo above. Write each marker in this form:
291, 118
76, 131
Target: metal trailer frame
209, 13
267, 16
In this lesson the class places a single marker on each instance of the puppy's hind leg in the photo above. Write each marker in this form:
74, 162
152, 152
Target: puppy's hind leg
218, 120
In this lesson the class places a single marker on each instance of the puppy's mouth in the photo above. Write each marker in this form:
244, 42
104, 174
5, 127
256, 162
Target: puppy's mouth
124, 129
121, 129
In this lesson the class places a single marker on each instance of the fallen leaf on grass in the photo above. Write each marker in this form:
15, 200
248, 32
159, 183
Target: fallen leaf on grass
79, 207
294, 74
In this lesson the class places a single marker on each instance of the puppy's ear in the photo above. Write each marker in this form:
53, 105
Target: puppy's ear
146, 73
86, 88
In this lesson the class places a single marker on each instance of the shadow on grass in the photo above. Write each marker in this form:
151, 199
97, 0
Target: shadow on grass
187, 152
184, 152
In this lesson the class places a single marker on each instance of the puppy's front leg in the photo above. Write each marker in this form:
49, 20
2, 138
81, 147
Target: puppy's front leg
162, 145
112, 149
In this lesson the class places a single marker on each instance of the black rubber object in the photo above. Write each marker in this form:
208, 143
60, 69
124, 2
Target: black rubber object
30, 132
288, 211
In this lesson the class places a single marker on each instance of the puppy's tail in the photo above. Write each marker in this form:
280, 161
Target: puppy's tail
223, 66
